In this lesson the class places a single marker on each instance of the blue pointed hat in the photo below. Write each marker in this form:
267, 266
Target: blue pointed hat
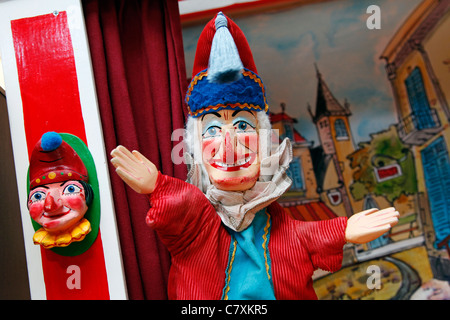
224, 73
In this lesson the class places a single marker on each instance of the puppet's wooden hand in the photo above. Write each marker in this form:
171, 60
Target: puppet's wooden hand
370, 224
135, 170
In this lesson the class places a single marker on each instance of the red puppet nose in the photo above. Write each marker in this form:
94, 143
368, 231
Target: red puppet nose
229, 154
50, 204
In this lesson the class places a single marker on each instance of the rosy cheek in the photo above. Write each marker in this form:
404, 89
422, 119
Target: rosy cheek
76, 202
250, 141
210, 148
36, 210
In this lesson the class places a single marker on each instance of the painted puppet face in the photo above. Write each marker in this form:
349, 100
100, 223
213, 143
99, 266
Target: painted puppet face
58, 206
230, 148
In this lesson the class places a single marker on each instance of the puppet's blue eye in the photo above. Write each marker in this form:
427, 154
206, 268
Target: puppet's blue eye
243, 126
37, 196
71, 189
211, 132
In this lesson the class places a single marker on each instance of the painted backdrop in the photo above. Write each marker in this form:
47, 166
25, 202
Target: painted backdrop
367, 111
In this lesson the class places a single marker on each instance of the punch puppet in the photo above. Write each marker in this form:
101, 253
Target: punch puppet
61, 195
227, 235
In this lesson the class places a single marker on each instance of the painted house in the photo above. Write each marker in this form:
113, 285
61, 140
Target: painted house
417, 65
302, 200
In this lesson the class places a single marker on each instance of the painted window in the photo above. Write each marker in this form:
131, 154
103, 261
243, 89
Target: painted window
323, 123
419, 101
341, 129
295, 173
289, 131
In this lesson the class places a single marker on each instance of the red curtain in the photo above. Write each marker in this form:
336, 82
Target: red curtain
138, 63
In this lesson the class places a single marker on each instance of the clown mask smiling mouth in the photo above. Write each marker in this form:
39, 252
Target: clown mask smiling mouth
235, 166
230, 148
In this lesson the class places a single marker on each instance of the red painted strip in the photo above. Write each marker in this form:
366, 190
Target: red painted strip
51, 102
297, 215
328, 211
318, 210
93, 281
47, 76
304, 213
312, 212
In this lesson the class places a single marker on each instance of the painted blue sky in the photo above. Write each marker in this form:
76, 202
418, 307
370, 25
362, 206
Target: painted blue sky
333, 34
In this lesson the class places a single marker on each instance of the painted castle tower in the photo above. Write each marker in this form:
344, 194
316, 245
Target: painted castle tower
334, 174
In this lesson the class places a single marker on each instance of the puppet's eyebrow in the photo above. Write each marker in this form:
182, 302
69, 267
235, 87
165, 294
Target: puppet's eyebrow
39, 187
214, 113
237, 111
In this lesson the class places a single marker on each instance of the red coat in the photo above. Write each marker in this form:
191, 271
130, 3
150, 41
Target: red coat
199, 244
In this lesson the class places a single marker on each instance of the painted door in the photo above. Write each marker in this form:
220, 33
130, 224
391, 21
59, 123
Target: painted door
436, 165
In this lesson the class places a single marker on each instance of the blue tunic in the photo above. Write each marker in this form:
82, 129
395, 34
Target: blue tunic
249, 274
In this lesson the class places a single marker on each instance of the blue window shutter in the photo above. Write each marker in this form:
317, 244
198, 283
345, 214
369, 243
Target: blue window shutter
418, 100
436, 165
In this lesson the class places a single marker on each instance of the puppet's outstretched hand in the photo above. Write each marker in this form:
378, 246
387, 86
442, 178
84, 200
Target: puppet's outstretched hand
135, 170
370, 224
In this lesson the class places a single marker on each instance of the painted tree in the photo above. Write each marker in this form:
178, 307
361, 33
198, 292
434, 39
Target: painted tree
385, 167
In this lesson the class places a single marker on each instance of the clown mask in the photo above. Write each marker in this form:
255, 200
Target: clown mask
58, 206
230, 148
59, 193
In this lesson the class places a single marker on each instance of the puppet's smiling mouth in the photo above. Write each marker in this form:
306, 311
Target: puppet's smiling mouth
242, 164
56, 215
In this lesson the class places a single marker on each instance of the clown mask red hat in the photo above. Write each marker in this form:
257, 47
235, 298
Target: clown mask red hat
53, 160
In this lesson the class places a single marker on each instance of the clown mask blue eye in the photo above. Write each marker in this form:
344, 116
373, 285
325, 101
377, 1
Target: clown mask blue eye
243, 126
211, 131
37, 196
71, 189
